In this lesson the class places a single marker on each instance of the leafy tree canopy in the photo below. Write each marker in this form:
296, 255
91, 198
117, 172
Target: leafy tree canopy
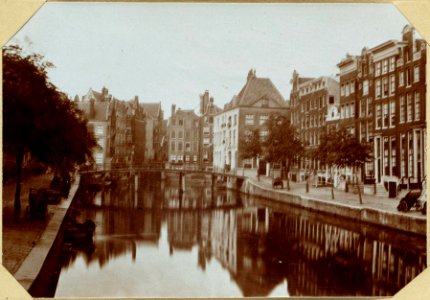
282, 143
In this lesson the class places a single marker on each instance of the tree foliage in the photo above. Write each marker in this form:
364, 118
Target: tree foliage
250, 145
39, 119
341, 149
283, 143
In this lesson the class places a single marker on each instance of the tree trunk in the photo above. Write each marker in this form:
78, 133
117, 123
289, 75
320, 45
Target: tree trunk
359, 193
17, 202
332, 191
287, 171
358, 185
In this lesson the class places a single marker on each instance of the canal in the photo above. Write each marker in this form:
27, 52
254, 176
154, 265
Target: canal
153, 241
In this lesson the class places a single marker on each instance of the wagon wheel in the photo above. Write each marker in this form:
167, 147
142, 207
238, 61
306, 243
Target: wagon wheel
403, 206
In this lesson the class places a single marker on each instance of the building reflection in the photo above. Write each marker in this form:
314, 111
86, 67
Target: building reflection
260, 245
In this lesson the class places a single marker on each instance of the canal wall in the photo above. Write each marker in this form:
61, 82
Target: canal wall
394, 220
49, 245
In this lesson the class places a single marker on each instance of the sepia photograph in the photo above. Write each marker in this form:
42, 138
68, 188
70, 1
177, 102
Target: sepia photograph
214, 150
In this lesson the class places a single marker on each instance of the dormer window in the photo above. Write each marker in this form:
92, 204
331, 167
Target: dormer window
264, 103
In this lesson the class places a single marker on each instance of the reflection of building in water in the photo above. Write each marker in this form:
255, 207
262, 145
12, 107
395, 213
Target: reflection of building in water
119, 231
352, 261
224, 238
181, 229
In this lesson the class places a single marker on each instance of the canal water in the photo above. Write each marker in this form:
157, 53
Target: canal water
153, 241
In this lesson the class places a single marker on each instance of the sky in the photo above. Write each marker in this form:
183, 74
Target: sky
173, 52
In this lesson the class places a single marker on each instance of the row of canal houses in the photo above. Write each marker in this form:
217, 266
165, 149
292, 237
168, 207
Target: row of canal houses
379, 96
127, 132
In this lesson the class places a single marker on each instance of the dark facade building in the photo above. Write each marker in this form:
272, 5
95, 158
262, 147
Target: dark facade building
183, 131
389, 95
207, 112
310, 100
154, 117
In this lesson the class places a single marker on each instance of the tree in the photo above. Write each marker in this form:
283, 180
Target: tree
353, 154
341, 149
283, 144
37, 118
250, 145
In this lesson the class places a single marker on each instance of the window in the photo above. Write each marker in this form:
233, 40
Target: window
195, 157
411, 154
401, 78
384, 66
249, 120
234, 119
408, 77
172, 134
378, 116
385, 116
180, 146
409, 107
386, 155
368, 107
172, 146
392, 63
402, 155
417, 106
378, 89
352, 87
352, 110
378, 69
384, 87
99, 130
263, 134
205, 141
365, 87
362, 112
264, 103
402, 109
347, 90
180, 134
173, 122
392, 85
187, 134
416, 73
263, 119
206, 130
181, 122
393, 156
392, 113
187, 158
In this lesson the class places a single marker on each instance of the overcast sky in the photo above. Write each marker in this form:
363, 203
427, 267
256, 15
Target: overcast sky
173, 52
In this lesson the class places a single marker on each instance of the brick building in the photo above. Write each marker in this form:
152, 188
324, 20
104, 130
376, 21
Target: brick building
183, 133
310, 100
206, 134
154, 117
389, 94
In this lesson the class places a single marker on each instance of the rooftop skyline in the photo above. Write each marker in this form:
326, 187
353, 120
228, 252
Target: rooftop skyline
172, 52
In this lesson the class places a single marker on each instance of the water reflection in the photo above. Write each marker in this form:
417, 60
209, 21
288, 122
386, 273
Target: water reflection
205, 242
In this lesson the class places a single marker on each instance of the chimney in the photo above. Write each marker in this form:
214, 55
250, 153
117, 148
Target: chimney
92, 112
212, 100
251, 74
204, 100
173, 109
76, 99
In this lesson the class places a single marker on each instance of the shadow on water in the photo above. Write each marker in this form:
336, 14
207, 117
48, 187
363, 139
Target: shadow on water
264, 248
